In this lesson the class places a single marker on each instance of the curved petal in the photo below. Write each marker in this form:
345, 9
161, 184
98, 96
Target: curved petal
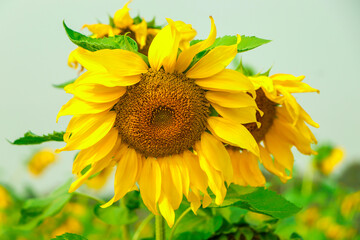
187, 34
215, 178
122, 17
233, 133
167, 211
213, 62
238, 115
95, 93
164, 48
150, 183
187, 55
118, 62
96, 152
268, 163
215, 153
249, 169
76, 106
231, 100
106, 79
141, 32
238, 178
125, 176
97, 127
280, 149
227, 81
100, 30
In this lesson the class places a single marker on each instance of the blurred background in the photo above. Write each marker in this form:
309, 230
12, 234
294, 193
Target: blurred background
318, 39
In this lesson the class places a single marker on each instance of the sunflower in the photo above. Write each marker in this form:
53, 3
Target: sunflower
139, 31
155, 123
41, 160
283, 125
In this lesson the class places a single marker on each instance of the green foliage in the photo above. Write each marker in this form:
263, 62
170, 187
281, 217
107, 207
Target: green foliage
62, 85
31, 138
94, 44
114, 215
295, 236
34, 211
323, 152
259, 200
69, 236
200, 226
247, 43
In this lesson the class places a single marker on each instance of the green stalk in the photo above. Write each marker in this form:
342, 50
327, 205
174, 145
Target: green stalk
177, 222
159, 227
141, 226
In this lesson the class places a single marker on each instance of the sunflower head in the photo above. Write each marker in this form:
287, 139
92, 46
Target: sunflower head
152, 119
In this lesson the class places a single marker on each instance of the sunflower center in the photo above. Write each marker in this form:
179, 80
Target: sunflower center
268, 107
164, 114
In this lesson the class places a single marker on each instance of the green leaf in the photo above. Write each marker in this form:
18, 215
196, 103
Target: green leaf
94, 44
295, 236
202, 226
247, 43
246, 70
62, 85
31, 138
69, 236
114, 215
36, 210
259, 200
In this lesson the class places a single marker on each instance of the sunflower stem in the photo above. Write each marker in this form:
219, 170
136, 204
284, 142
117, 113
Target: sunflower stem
177, 223
142, 226
159, 227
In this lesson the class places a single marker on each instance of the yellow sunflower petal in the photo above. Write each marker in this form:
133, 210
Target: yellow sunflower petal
304, 115
227, 81
236, 163
296, 87
233, 133
263, 81
213, 62
100, 30
187, 55
77, 106
268, 163
286, 77
280, 149
290, 103
122, 17
106, 79
97, 167
115, 61
96, 152
141, 32
95, 93
167, 211
125, 176
238, 115
98, 126
164, 48
215, 178
171, 183
198, 177
150, 183
187, 34
249, 168
231, 100
215, 153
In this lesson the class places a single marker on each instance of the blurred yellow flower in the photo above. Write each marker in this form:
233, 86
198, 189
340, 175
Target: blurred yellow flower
350, 204
327, 165
5, 199
282, 126
40, 161
71, 225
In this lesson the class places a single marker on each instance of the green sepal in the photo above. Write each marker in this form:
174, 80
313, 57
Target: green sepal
35, 210
69, 236
246, 70
115, 215
258, 200
62, 85
31, 138
94, 44
247, 43
111, 21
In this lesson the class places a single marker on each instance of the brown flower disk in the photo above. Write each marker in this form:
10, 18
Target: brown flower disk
163, 114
